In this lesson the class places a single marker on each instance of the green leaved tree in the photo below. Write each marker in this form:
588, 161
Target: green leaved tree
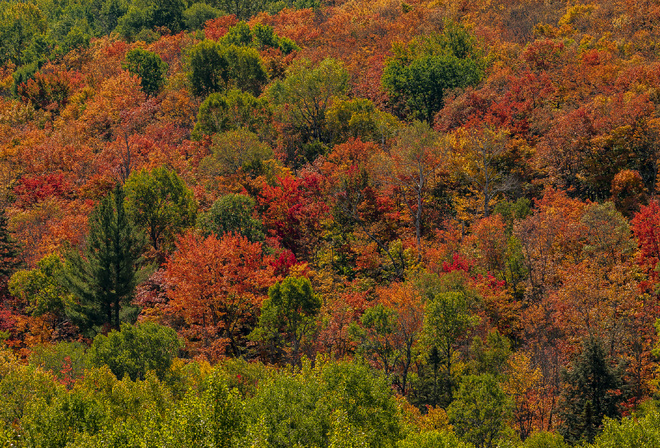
136, 349
288, 316
41, 289
21, 24
375, 336
233, 110
149, 67
211, 416
304, 96
215, 67
481, 410
232, 151
143, 15
160, 203
198, 14
232, 213
419, 74
448, 322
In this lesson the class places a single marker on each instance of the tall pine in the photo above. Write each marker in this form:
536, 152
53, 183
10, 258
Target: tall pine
105, 276
8, 263
8, 251
591, 393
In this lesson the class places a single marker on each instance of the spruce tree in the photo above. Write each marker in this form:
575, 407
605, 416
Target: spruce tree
8, 251
591, 393
105, 276
8, 264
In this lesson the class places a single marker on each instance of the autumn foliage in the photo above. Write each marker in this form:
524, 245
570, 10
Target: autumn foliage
218, 285
460, 196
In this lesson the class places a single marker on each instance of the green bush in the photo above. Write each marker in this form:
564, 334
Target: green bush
642, 432
136, 349
149, 67
198, 14
319, 406
432, 439
543, 439
232, 213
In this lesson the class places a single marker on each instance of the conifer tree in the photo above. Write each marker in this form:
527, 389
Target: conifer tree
8, 250
591, 393
8, 263
105, 276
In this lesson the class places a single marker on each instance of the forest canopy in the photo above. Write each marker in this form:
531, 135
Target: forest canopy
324, 223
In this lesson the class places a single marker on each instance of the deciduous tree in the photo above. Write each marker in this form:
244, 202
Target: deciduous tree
233, 110
480, 411
218, 286
293, 211
149, 67
8, 250
159, 202
232, 213
43, 293
391, 330
234, 150
288, 316
135, 349
303, 97
646, 227
419, 74
215, 67
480, 162
413, 167
448, 320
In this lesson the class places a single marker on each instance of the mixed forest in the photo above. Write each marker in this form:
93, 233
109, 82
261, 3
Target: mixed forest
329, 223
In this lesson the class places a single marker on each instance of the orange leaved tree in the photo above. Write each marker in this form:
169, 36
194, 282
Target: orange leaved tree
217, 287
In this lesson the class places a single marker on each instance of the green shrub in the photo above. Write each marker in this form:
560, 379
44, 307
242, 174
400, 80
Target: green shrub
136, 349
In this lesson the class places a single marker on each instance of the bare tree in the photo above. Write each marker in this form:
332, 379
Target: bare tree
412, 166
483, 150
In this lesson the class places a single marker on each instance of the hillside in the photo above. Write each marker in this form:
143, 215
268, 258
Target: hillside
412, 223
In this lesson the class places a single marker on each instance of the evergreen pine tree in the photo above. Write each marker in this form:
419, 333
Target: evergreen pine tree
105, 276
591, 392
8, 251
8, 264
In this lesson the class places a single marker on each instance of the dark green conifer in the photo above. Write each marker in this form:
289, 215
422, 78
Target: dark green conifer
105, 276
591, 393
8, 250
